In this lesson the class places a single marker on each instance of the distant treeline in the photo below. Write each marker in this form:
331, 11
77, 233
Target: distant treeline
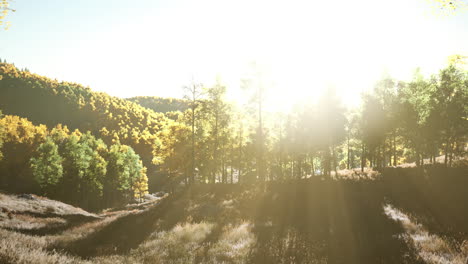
160, 104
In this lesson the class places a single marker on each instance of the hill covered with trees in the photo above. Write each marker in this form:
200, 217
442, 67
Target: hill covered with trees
114, 120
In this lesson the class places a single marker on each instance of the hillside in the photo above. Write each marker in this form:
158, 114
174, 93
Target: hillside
35, 215
45, 101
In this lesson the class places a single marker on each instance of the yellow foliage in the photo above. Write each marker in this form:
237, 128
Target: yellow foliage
140, 186
5, 9
21, 130
457, 59
449, 6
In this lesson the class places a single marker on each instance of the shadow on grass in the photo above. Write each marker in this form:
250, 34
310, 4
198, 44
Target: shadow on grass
311, 221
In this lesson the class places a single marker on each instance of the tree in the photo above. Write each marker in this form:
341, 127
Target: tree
218, 115
47, 166
124, 169
240, 139
4, 10
140, 185
256, 84
331, 127
177, 151
84, 168
21, 138
353, 144
451, 98
92, 181
193, 93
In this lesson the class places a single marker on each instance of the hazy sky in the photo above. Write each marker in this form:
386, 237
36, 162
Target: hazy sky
150, 47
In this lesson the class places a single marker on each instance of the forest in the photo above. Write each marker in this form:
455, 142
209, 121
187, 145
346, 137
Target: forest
207, 139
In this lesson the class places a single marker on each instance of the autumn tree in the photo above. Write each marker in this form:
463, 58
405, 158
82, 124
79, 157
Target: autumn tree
20, 140
4, 10
140, 185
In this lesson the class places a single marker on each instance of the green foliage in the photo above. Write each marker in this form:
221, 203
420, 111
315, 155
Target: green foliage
125, 174
47, 166
425, 117
73, 167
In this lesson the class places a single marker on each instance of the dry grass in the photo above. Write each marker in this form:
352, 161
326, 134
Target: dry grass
431, 248
27, 222
24, 249
356, 174
190, 243
308, 221
38, 215
182, 244
234, 244
32, 214
39, 206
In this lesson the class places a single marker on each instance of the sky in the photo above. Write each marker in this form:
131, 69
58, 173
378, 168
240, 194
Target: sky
154, 48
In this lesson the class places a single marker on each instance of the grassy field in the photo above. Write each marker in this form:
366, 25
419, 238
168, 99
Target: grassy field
353, 218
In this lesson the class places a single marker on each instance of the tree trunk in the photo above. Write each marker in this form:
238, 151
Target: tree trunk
362, 156
312, 164
394, 151
232, 162
451, 153
239, 169
192, 176
260, 137
418, 159
335, 162
446, 151
347, 165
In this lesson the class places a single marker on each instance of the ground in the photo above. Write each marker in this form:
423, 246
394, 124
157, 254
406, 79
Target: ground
349, 219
